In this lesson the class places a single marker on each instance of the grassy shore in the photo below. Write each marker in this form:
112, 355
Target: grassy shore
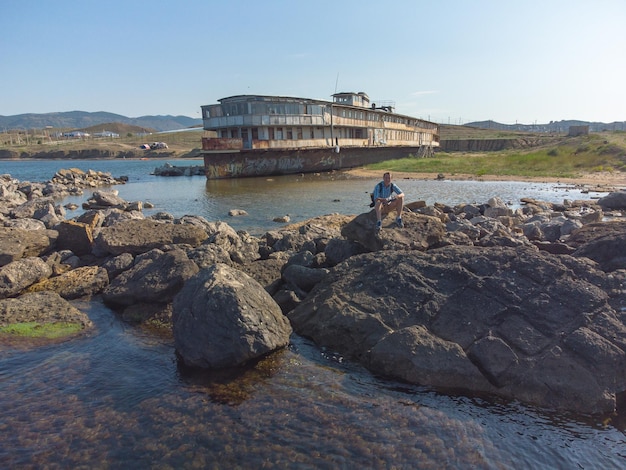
598, 158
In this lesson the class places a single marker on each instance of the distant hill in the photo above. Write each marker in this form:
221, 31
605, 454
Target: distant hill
552, 126
117, 127
82, 119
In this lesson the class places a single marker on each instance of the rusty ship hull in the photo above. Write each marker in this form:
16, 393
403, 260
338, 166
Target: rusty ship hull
272, 162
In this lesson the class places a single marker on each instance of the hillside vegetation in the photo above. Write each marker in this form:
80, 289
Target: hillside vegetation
119, 128
46, 144
449, 132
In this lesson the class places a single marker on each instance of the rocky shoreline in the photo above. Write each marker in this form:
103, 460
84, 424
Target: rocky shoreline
526, 304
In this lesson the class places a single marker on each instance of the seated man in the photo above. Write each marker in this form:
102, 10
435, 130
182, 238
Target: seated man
385, 201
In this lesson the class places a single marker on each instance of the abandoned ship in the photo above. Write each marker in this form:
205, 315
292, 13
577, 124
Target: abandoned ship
255, 135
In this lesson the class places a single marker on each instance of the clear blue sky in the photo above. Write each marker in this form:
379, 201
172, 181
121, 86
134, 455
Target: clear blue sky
447, 61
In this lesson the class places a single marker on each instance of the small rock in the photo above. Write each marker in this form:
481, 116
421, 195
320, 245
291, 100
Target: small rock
237, 212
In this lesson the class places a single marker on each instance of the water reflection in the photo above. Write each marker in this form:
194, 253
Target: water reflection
118, 397
231, 386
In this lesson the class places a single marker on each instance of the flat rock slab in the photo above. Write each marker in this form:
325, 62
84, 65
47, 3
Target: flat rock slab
140, 236
509, 321
41, 307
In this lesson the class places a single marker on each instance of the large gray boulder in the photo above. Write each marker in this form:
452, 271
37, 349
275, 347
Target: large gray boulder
209, 254
26, 224
510, 321
241, 247
156, 277
18, 243
266, 272
420, 232
312, 235
118, 264
105, 200
224, 318
140, 236
34, 209
10, 194
303, 277
604, 243
339, 249
22, 273
74, 236
613, 201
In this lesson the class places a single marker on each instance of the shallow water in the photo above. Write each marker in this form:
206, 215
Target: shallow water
117, 397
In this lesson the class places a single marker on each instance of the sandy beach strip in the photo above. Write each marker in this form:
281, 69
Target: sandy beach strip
600, 181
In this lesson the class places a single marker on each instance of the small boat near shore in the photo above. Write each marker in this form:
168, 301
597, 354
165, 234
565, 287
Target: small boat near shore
255, 135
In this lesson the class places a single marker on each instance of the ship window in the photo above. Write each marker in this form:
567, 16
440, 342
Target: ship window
299, 133
279, 133
259, 108
215, 111
255, 133
271, 133
289, 133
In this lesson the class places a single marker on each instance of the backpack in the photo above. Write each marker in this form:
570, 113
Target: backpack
372, 202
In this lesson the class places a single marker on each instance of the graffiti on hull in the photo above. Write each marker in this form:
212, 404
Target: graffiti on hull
255, 163
327, 162
291, 164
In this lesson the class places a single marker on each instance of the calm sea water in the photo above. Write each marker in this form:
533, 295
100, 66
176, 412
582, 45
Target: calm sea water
299, 196
118, 399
